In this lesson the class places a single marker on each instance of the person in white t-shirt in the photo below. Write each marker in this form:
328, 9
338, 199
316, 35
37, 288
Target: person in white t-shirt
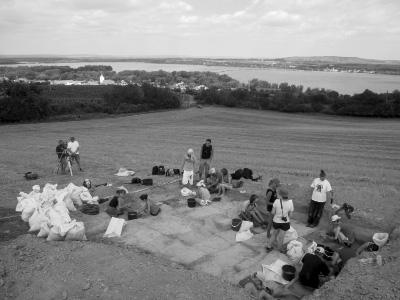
73, 150
322, 191
282, 210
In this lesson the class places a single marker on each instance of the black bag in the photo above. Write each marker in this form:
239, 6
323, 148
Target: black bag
90, 209
237, 175
177, 171
147, 181
31, 176
136, 180
154, 170
161, 170
247, 173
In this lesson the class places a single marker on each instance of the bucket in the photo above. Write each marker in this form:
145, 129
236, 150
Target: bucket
132, 215
191, 202
380, 239
288, 272
236, 223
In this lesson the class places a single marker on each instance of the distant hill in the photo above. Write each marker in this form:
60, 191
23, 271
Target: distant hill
339, 60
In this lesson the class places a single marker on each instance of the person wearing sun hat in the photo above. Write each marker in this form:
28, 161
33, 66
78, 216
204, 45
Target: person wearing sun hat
337, 233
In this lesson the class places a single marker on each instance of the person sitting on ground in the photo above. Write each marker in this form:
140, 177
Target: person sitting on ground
214, 182
131, 203
250, 212
62, 155
339, 234
113, 209
226, 181
322, 191
282, 210
203, 195
188, 166
312, 269
206, 156
73, 151
87, 183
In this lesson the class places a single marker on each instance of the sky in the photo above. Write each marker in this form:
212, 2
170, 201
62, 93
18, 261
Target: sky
202, 28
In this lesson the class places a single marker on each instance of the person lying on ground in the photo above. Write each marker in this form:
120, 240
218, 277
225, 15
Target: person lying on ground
87, 183
370, 246
282, 210
339, 234
188, 166
314, 271
73, 151
62, 154
213, 183
322, 191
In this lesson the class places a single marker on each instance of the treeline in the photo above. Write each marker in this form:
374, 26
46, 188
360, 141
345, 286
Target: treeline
34, 101
92, 73
291, 98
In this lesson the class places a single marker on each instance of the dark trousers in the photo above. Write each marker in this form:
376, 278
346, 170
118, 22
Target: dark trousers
315, 211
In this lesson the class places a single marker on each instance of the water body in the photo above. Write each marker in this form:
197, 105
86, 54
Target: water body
342, 82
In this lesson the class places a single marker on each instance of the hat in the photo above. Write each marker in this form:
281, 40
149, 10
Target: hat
190, 151
284, 193
322, 173
122, 188
335, 218
212, 171
200, 184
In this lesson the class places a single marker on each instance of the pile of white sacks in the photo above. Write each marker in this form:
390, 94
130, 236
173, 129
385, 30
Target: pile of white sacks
47, 211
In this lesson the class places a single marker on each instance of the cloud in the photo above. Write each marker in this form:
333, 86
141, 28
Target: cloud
176, 6
279, 18
188, 19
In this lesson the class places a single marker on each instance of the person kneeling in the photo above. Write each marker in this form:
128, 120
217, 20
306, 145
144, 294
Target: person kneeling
337, 233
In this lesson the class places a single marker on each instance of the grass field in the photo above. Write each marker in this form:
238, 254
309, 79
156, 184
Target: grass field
360, 156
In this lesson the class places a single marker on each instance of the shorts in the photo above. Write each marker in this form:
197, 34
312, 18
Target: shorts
281, 226
187, 177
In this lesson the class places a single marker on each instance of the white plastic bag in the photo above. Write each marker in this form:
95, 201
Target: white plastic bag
28, 210
44, 231
76, 233
115, 227
54, 234
185, 192
290, 235
312, 247
36, 220
243, 235
246, 225
295, 251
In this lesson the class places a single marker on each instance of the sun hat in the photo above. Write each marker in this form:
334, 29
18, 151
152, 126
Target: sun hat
335, 218
190, 151
122, 188
284, 193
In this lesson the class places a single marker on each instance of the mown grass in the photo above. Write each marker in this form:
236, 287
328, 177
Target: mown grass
360, 156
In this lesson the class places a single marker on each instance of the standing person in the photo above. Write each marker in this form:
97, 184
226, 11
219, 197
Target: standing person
322, 191
282, 209
62, 155
73, 149
188, 165
206, 156
271, 194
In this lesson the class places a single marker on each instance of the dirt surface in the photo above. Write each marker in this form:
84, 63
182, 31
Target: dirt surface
31, 268
361, 157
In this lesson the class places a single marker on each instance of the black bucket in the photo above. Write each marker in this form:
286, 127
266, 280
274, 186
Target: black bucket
191, 202
288, 272
236, 223
132, 215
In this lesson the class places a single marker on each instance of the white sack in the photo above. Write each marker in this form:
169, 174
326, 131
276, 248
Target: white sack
28, 210
44, 231
290, 235
115, 227
245, 226
185, 192
243, 236
76, 233
54, 234
295, 251
36, 220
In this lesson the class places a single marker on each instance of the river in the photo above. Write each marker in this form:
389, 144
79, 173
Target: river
342, 82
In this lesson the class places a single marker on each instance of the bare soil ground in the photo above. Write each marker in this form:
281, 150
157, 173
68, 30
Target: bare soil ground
361, 157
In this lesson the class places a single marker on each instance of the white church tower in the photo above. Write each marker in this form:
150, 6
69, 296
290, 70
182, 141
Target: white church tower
101, 79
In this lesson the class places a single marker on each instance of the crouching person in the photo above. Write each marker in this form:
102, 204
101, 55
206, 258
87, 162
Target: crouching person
339, 234
203, 195
314, 271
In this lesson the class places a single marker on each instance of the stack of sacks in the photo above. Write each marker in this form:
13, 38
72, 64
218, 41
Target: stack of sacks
48, 212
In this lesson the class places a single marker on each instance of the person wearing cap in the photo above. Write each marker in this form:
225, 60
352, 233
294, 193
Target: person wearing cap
188, 166
322, 191
282, 210
73, 151
206, 156
337, 233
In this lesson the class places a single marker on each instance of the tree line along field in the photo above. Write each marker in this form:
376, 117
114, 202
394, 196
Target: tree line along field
360, 156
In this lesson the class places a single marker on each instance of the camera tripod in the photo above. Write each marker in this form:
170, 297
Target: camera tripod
60, 163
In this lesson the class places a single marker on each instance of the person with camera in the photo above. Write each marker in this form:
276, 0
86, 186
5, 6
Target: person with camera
62, 154
282, 209
73, 150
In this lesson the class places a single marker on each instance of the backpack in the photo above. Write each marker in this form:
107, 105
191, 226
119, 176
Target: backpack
147, 181
136, 180
247, 173
169, 172
161, 170
31, 176
177, 171
154, 170
237, 175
